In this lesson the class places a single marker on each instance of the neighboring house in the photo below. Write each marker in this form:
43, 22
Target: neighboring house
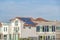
25, 27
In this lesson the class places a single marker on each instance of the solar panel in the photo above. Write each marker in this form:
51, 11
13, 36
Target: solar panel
27, 21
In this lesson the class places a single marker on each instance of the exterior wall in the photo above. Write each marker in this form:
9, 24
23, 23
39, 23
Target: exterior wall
1, 36
25, 33
20, 24
32, 32
10, 29
57, 33
4, 32
1, 29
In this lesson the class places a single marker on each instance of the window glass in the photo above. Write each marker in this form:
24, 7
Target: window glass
5, 29
57, 28
41, 29
16, 23
40, 37
5, 37
46, 37
16, 29
53, 37
47, 28
15, 37
53, 28
43, 37
38, 28
50, 29
9, 36
29, 27
50, 37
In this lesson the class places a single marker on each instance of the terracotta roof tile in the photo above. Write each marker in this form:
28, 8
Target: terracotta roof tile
30, 25
41, 19
0, 24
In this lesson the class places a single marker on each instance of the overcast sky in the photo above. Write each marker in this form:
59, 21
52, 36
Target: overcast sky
47, 9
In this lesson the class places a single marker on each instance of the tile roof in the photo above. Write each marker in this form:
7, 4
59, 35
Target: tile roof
41, 19
0, 24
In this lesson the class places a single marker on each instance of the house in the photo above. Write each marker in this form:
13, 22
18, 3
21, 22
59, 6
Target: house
26, 27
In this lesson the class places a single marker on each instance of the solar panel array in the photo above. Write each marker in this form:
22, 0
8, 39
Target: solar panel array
27, 21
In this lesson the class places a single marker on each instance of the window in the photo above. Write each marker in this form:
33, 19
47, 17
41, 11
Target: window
15, 37
47, 28
53, 37
48, 37
53, 28
24, 27
57, 28
5, 29
5, 37
29, 27
9, 36
43, 29
16, 23
50, 29
16, 29
38, 28
40, 37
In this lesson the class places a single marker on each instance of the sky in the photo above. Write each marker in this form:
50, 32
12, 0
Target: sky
47, 9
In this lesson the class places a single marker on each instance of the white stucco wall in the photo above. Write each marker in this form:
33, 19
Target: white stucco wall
25, 33
20, 24
3, 25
